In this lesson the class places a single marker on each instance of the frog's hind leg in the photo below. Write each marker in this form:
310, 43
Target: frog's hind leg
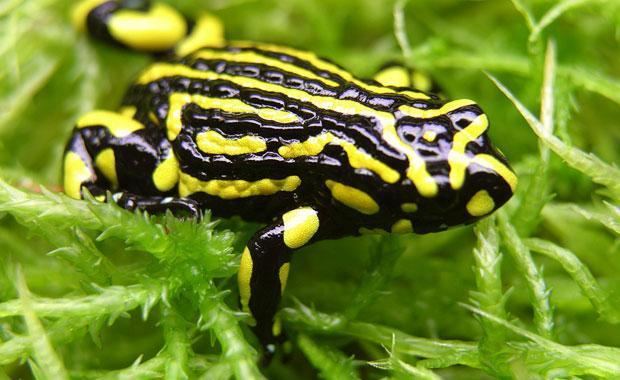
111, 152
208, 31
147, 26
79, 170
397, 75
265, 265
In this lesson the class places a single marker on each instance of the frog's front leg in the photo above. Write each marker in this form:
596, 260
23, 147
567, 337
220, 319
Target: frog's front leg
265, 266
112, 152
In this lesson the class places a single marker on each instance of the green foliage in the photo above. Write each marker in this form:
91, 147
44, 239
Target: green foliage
126, 295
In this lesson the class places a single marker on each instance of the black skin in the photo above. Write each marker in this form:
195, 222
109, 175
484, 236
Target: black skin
140, 153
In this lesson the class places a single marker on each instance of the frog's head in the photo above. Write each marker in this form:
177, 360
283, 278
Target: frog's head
464, 177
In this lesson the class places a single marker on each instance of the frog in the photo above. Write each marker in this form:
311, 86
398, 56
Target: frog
278, 136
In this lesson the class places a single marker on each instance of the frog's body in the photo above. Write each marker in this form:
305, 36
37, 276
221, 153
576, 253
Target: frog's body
280, 136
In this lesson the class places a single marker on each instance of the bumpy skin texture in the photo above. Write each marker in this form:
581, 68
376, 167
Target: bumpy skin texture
280, 136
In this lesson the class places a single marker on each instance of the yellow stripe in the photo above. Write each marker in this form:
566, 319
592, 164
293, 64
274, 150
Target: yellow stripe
166, 175
494, 164
208, 31
434, 112
234, 189
76, 172
212, 142
323, 65
456, 158
160, 28
283, 274
252, 57
243, 278
118, 125
358, 159
179, 100
417, 167
106, 162
300, 225
352, 197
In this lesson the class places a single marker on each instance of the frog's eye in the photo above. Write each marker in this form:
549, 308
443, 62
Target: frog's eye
463, 122
465, 116
409, 133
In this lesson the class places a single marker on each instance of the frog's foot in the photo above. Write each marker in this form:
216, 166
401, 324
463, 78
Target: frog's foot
265, 265
159, 204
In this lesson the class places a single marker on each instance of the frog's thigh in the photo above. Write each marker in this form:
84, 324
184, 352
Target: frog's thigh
397, 75
265, 264
91, 154
394, 75
207, 32
134, 162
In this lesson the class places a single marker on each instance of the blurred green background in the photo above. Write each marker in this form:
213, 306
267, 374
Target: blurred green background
381, 307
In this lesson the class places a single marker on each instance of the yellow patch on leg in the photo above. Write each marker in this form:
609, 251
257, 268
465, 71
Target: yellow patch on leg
166, 175
243, 278
421, 81
76, 172
283, 275
208, 32
106, 162
394, 76
276, 329
300, 225
402, 226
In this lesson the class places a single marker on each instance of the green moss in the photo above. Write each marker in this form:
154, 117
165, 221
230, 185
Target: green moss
88, 290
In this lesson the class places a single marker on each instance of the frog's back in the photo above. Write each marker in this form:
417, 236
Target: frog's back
249, 121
